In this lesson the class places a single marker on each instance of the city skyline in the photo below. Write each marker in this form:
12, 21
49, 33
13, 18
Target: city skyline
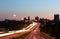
18, 9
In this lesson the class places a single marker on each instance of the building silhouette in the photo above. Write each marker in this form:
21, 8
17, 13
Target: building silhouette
25, 18
56, 17
37, 18
28, 18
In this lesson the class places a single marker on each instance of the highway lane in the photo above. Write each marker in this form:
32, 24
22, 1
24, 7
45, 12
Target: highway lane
11, 36
35, 34
18, 32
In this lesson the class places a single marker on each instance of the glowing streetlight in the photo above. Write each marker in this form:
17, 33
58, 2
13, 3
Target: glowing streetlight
14, 15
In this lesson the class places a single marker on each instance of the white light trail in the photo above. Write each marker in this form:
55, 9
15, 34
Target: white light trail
19, 31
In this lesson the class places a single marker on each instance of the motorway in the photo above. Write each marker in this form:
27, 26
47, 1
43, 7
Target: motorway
17, 33
35, 34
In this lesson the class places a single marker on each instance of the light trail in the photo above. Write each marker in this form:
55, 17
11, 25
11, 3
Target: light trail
30, 26
19, 31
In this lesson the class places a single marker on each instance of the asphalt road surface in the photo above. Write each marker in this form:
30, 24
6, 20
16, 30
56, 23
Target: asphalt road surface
35, 34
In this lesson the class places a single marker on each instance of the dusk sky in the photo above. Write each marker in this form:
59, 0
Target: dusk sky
25, 8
